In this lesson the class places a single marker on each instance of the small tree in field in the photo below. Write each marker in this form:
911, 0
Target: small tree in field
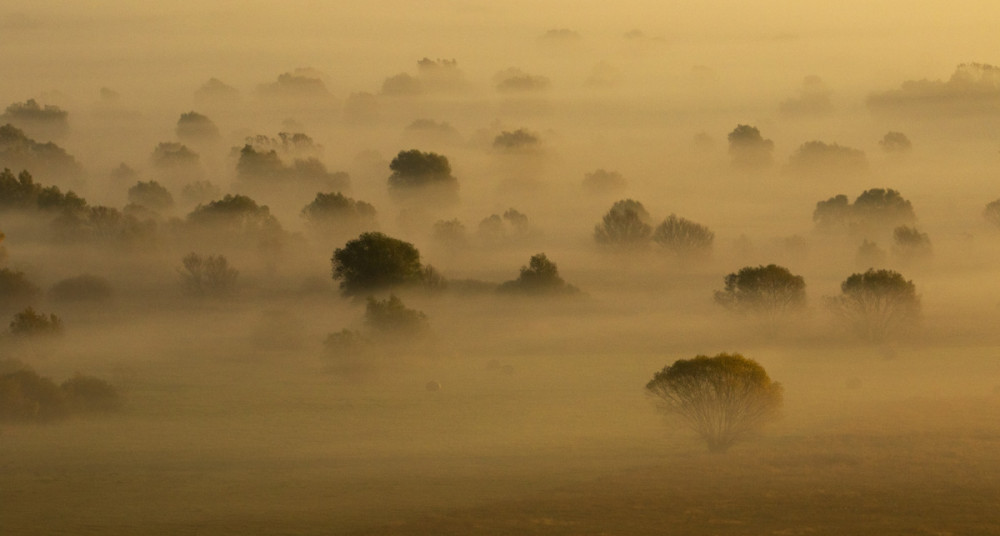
375, 261
541, 276
876, 304
684, 238
770, 290
626, 224
723, 399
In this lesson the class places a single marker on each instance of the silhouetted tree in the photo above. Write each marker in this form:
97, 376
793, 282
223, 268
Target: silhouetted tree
517, 140
450, 232
29, 323
684, 238
237, 216
81, 288
415, 171
208, 276
724, 399
748, 149
375, 261
992, 213
18, 151
770, 290
895, 142
874, 209
601, 181
171, 155
337, 210
625, 224
27, 397
151, 195
540, 276
23, 193
514, 80
910, 244
869, 254
196, 128
819, 158
391, 317
48, 121
877, 304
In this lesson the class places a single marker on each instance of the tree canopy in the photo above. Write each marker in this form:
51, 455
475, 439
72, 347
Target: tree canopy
376, 261
625, 224
723, 399
415, 170
684, 238
877, 304
771, 290
540, 276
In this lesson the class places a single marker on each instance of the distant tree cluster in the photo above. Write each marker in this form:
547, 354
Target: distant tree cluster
627, 225
512, 226
416, 173
973, 89
514, 80
208, 276
748, 149
874, 209
261, 168
334, 210
433, 76
26, 396
47, 120
518, 140
18, 151
540, 276
821, 159
194, 127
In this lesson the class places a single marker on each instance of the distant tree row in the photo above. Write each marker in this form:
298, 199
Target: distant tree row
627, 225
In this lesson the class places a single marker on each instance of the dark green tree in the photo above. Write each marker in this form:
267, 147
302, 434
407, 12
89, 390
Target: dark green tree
376, 261
724, 399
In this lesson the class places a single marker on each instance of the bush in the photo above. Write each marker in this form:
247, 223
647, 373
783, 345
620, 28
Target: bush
28, 323
208, 276
81, 288
724, 399
391, 317
541, 276
89, 394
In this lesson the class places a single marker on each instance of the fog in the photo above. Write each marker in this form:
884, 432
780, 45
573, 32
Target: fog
255, 393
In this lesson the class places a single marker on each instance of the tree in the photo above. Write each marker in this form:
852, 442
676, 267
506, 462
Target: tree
28, 323
151, 195
770, 290
992, 213
416, 171
748, 149
602, 181
196, 128
625, 224
876, 304
684, 238
910, 244
90, 394
391, 317
723, 399
895, 142
375, 261
874, 209
541, 276
822, 159
236, 215
208, 276
518, 140
337, 210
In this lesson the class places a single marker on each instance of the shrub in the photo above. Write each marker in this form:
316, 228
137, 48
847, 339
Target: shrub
391, 317
28, 323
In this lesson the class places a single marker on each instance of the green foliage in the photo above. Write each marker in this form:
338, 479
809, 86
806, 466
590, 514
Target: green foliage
770, 290
81, 288
375, 261
724, 399
625, 225
208, 276
541, 276
29, 323
684, 238
391, 317
877, 304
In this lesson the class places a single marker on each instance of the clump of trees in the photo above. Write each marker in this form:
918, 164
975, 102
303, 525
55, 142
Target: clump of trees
512, 226
973, 89
771, 291
874, 209
626, 225
83, 288
21, 192
208, 276
909, 244
265, 168
876, 304
895, 142
29, 323
151, 195
724, 399
390, 317
822, 159
334, 210
196, 128
601, 181
748, 149
26, 396
237, 217
427, 174
18, 151
375, 261
47, 120
518, 140
16, 290
540, 276
514, 80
